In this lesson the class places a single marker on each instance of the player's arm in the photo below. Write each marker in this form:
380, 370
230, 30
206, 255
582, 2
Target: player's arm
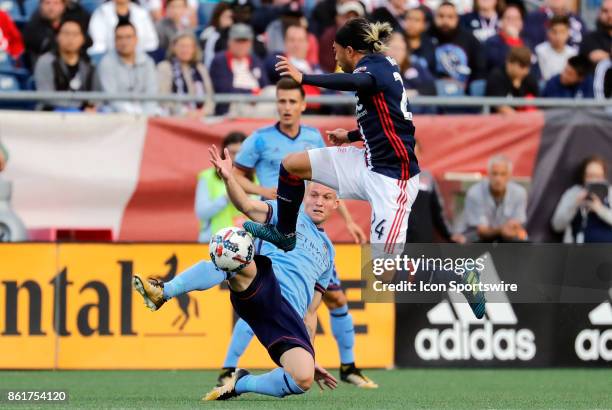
310, 319
335, 81
355, 230
254, 209
250, 187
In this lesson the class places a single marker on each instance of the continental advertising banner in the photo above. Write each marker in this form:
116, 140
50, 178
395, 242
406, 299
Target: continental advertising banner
71, 306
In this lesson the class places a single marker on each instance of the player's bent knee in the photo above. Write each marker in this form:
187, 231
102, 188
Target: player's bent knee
335, 299
303, 378
298, 164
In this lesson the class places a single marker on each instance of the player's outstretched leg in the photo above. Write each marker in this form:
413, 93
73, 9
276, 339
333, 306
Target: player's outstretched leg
344, 333
201, 276
241, 337
295, 377
477, 300
294, 169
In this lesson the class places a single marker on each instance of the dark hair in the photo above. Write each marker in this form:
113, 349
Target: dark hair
363, 36
520, 9
500, 5
555, 20
170, 1
520, 55
447, 3
69, 19
234, 137
124, 23
219, 9
581, 64
586, 162
287, 83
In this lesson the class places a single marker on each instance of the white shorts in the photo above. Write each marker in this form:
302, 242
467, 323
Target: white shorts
344, 169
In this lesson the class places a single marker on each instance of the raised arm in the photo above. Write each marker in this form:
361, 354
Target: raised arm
254, 209
335, 81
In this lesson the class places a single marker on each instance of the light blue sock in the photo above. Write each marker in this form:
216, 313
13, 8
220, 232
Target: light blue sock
241, 337
201, 276
344, 332
277, 383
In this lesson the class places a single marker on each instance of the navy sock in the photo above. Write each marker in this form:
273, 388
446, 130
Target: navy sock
241, 337
290, 195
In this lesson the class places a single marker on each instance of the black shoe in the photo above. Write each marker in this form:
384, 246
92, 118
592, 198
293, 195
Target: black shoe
225, 375
351, 374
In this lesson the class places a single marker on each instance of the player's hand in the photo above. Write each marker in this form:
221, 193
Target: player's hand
2, 161
338, 136
594, 204
324, 378
581, 197
268, 193
285, 68
357, 233
458, 238
223, 166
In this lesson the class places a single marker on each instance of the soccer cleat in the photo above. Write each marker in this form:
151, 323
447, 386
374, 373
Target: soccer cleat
228, 390
151, 290
225, 375
476, 298
270, 233
351, 374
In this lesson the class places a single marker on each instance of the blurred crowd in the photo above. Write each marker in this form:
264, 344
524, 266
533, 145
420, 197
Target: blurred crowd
197, 47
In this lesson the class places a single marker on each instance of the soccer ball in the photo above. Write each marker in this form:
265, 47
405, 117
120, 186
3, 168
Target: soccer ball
231, 249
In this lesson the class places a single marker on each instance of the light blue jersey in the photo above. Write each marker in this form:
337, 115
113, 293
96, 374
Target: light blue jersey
264, 150
308, 267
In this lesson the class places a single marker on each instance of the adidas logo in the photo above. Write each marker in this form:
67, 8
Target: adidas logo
595, 344
466, 337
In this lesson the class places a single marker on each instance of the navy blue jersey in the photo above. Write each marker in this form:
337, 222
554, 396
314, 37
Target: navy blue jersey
385, 120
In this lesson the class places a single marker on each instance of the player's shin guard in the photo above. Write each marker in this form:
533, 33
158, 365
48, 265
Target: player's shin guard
277, 383
344, 333
201, 276
290, 195
241, 337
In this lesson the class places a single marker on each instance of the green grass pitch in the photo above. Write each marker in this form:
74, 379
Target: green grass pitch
401, 389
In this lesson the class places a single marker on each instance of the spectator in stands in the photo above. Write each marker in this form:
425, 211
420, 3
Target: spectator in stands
584, 212
537, 22
105, 19
392, 12
128, 69
238, 70
345, 12
40, 33
183, 73
212, 205
458, 53
514, 80
175, 21
422, 49
3, 157
417, 79
573, 82
159, 9
496, 208
296, 48
211, 38
509, 35
275, 34
324, 15
67, 68
553, 54
602, 83
427, 215
597, 44
483, 21
10, 37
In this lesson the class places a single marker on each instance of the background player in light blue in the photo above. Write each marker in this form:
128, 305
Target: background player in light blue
277, 294
263, 153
